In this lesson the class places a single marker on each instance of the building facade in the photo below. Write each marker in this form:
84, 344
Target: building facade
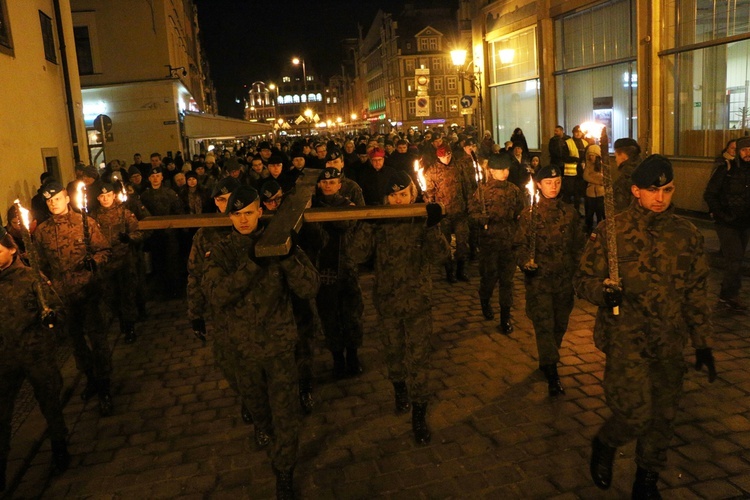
40, 79
673, 74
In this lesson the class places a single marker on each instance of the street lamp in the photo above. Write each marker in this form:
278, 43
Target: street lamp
297, 61
308, 114
458, 58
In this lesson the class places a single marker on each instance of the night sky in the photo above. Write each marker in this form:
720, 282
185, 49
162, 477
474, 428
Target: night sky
248, 40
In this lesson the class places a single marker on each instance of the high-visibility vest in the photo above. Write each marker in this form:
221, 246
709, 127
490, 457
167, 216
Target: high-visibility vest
572, 168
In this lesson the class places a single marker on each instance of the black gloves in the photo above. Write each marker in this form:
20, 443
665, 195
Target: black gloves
434, 214
199, 329
294, 235
89, 263
124, 237
49, 319
705, 356
612, 296
530, 269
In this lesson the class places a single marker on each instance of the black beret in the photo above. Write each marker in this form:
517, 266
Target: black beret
276, 159
656, 170
264, 145
242, 197
550, 171
627, 142
743, 142
334, 154
269, 189
231, 165
51, 189
361, 149
133, 170
104, 188
155, 170
498, 162
225, 186
329, 173
297, 153
399, 181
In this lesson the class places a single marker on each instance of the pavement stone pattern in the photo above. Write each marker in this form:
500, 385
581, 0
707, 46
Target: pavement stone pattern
177, 431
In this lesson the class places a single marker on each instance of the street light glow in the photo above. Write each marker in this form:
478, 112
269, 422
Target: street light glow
354, 116
308, 113
458, 57
295, 61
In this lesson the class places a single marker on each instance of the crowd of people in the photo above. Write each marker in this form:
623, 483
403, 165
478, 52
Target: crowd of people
82, 262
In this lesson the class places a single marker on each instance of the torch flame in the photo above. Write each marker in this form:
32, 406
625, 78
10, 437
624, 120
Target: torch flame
23, 214
478, 174
533, 195
420, 175
592, 129
81, 196
123, 196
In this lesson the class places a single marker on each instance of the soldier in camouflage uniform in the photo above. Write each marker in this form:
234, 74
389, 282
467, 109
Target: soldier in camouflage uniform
404, 250
627, 157
198, 307
164, 244
662, 302
120, 227
135, 205
447, 185
254, 295
558, 239
349, 188
27, 351
465, 157
71, 262
503, 204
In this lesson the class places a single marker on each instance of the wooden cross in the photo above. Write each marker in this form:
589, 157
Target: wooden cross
276, 240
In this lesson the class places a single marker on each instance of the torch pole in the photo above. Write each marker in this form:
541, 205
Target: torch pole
609, 216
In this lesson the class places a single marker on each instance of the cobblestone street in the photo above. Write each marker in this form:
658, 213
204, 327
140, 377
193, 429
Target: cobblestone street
177, 431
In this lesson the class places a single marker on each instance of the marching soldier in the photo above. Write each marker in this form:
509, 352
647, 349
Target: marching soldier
503, 204
71, 258
27, 351
662, 303
120, 227
404, 250
627, 157
254, 294
557, 238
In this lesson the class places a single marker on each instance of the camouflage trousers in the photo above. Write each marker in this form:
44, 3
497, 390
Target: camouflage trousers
89, 335
44, 375
308, 326
549, 312
269, 387
496, 265
119, 293
643, 395
224, 359
407, 344
458, 225
340, 307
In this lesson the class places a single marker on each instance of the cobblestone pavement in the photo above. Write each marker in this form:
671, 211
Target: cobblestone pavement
177, 432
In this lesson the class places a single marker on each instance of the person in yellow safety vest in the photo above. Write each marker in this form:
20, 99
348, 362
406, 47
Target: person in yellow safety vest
573, 168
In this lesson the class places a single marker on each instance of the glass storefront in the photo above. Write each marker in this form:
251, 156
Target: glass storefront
595, 68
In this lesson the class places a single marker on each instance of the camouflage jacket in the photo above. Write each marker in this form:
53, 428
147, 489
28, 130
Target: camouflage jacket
664, 269
503, 203
203, 241
254, 294
448, 185
113, 221
162, 201
559, 241
623, 197
465, 163
728, 193
61, 249
404, 250
351, 190
329, 242
20, 329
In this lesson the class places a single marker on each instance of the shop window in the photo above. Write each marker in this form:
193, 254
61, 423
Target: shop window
516, 105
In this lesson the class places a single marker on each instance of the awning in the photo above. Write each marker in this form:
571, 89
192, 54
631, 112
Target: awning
200, 126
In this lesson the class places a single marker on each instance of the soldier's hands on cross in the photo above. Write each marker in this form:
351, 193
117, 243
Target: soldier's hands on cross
530, 269
705, 356
434, 214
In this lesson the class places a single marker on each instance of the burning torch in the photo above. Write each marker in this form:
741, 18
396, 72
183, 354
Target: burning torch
419, 171
530, 267
613, 283
479, 177
48, 315
83, 205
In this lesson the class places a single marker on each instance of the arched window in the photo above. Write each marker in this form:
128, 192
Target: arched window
303, 98
319, 97
296, 99
287, 99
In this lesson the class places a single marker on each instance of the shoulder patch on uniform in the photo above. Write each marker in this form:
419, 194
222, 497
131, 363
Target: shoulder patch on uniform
592, 236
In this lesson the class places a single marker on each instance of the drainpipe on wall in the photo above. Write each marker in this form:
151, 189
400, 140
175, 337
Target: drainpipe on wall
66, 77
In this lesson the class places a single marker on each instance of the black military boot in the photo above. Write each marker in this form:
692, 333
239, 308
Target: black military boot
461, 271
247, 417
487, 309
262, 438
91, 387
450, 275
602, 458
505, 325
339, 364
60, 456
128, 328
306, 400
402, 397
353, 366
553, 380
422, 433
644, 487
284, 484
105, 398
3, 467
